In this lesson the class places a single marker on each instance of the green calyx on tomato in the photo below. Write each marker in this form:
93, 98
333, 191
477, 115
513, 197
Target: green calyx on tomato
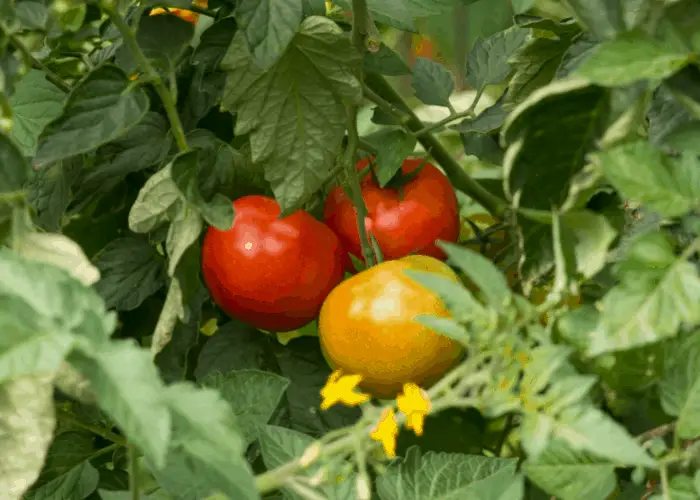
403, 222
272, 273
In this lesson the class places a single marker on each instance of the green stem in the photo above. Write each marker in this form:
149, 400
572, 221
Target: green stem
395, 112
459, 178
153, 77
665, 490
134, 473
437, 125
36, 64
66, 416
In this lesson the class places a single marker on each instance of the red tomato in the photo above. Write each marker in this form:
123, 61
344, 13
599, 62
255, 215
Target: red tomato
402, 223
271, 273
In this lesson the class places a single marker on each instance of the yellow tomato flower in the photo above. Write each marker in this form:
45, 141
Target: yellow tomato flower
386, 432
414, 403
341, 389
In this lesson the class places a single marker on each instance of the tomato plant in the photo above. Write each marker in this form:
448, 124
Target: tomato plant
403, 220
273, 273
184, 184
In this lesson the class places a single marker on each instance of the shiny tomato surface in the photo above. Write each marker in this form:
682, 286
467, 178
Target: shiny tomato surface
271, 273
404, 222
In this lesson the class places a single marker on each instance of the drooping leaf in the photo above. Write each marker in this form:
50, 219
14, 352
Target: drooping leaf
133, 398
269, 26
103, 107
35, 103
432, 82
487, 62
535, 63
294, 113
185, 228
24, 440
156, 200
394, 149
627, 60
644, 174
253, 396
548, 136
131, 270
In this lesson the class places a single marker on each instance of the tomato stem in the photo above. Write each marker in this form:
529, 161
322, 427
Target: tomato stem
459, 178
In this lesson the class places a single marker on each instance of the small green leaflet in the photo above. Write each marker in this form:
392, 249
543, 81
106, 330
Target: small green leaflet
395, 147
385, 62
269, 27
487, 62
15, 169
294, 113
432, 82
154, 29
680, 387
604, 18
78, 484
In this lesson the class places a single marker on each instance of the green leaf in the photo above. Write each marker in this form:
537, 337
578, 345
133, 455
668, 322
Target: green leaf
131, 271
77, 484
51, 300
25, 440
436, 476
432, 82
487, 62
665, 116
644, 174
156, 200
535, 63
480, 270
680, 386
485, 122
603, 18
15, 169
401, 14
545, 151
133, 398
577, 52
184, 230
48, 191
592, 235
269, 27
253, 395
35, 103
67, 451
154, 29
571, 475
484, 147
294, 113
147, 144
101, 108
210, 439
394, 149
385, 62
657, 293
280, 445
185, 170
522, 6
627, 60
236, 346
461, 303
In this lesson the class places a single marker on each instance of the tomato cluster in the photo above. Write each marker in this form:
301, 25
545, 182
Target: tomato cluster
280, 273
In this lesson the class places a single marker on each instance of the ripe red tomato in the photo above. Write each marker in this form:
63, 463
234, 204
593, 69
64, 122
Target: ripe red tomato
271, 273
402, 223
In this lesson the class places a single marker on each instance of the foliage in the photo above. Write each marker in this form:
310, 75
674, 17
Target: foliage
125, 135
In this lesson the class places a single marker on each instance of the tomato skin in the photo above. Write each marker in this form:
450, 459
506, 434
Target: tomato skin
366, 326
402, 226
271, 273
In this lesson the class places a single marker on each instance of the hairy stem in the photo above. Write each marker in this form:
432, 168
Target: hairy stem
152, 76
460, 179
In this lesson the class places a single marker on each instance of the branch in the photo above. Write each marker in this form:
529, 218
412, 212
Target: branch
460, 179
67, 416
151, 75
452, 116
36, 64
